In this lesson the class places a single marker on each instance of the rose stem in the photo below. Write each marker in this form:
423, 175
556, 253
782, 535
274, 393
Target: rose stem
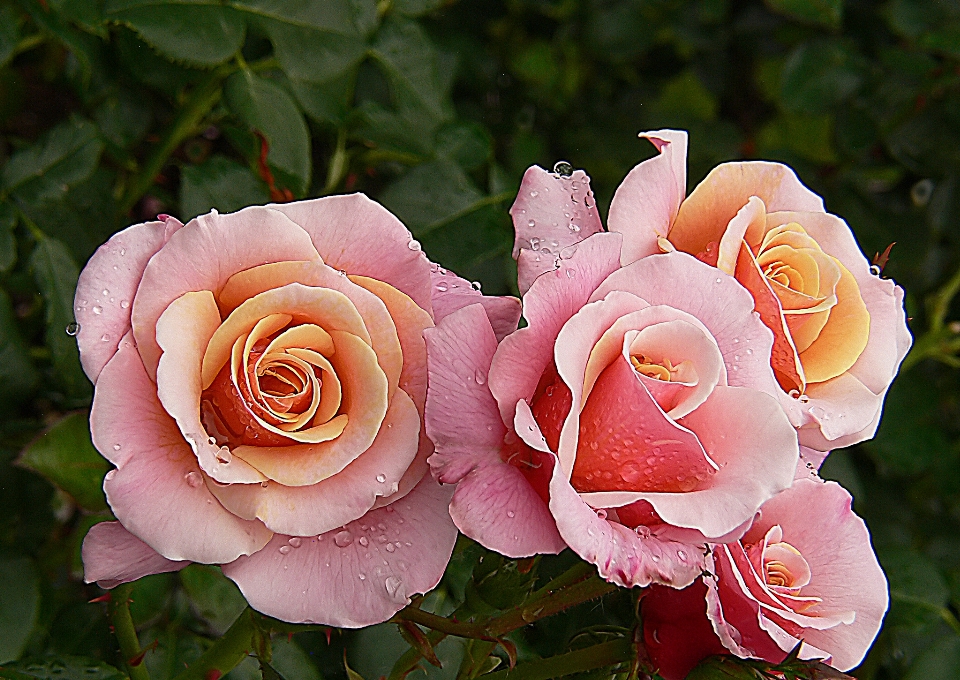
598, 656
126, 634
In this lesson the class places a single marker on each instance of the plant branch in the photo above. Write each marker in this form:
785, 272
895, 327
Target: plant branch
492, 199
119, 611
598, 656
226, 652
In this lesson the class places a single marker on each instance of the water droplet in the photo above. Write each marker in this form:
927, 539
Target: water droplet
534, 243
511, 514
343, 539
682, 555
295, 541
803, 398
193, 479
391, 547
104, 338
601, 514
414, 245
97, 309
211, 441
116, 447
73, 328
106, 292
110, 475
381, 478
571, 273
476, 285
655, 557
534, 194
284, 549
875, 270
395, 589
442, 287
532, 223
362, 576
364, 541
563, 168
264, 484
480, 377
124, 304
575, 228
630, 472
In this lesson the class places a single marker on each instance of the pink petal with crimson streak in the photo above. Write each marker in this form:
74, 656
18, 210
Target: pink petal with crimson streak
359, 236
158, 492
647, 201
112, 555
356, 576
554, 297
450, 293
551, 213
463, 421
622, 556
107, 286
203, 256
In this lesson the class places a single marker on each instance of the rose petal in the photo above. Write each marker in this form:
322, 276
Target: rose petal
450, 293
107, 286
358, 575
112, 555
360, 237
646, 202
203, 256
157, 491
551, 213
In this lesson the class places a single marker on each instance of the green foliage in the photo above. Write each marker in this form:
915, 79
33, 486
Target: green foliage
116, 110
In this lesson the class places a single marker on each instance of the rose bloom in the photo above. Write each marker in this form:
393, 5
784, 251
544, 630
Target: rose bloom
260, 384
839, 330
804, 571
633, 418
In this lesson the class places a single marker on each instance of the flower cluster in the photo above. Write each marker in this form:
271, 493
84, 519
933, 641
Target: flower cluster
296, 393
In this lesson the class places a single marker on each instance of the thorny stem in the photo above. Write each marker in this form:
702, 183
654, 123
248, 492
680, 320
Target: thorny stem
228, 651
598, 656
126, 634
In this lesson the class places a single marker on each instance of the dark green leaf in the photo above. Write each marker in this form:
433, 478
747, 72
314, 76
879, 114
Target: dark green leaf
65, 455
219, 183
202, 32
909, 440
8, 244
723, 668
84, 47
63, 668
18, 377
19, 603
817, 76
940, 662
9, 32
466, 143
64, 156
214, 597
416, 7
56, 275
85, 13
314, 40
430, 194
123, 119
265, 106
291, 661
327, 102
825, 12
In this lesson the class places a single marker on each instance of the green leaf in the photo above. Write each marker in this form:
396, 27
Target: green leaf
18, 377
8, 243
85, 48
325, 102
202, 32
818, 76
809, 137
86, 14
684, 98
941, 661
219, 183
828, 13
291, 661
64, 156
430, 194
413, 8
918, 591
465, 142
9, 32
314, 40
19, 604
265, 106
56, 275
123, 118
723, 668
62, 668
65, 455
214, 597
909, 439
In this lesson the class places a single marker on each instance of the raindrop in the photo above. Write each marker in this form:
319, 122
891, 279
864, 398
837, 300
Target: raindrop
480, 377
123, 251
106, 292
116, 447
295, 541
73, 328
601, 514
575, 228
364, 541
381, 478
414, 245
395, 589
211, 441
264, 484
442, 287
511, 514
532, 223
571, 273
682, 555
803, 398
719, 280
362, 576
534, 243
343, 539
875, 270
104, 338
534, 194
476, 285
390, 547
630, 472
563, 168
124, 304
97, 309
284, 549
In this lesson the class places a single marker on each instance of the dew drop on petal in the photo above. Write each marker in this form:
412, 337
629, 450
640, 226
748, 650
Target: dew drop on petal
563, 168
511, 514
284, 549
601, 514
362, 576
395, 589
124, 304
73, 328
414, 245
390, 547
343, 539
193, 479
295, 541
442, 287
364, 541
480, 377
97, 309
381, 478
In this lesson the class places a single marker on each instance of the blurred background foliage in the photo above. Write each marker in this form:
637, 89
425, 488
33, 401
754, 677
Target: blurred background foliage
112, 111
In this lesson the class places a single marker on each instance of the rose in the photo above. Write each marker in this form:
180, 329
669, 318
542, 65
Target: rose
260, 383
630, 419
804, 571
839, 329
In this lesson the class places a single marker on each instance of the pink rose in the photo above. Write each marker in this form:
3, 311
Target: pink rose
260, 384
634, 415
840, 331
804, 571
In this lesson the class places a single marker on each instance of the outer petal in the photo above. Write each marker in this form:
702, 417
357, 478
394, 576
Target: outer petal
705, 214
551, 213
157, 492
342, 498
107, 286
494, 504
112, 555
359, 236
553, 298
622, 556
359, 575
203, 256
450, 293
647, 201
